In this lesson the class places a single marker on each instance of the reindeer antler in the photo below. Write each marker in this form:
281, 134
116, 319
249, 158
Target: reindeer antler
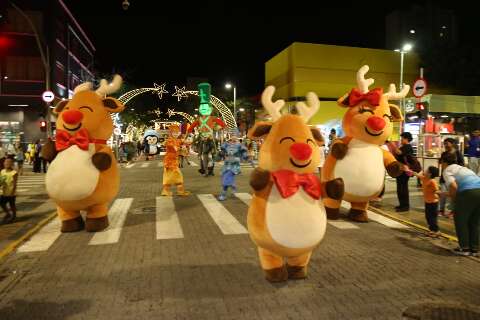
307, 110
106, 88
273, 108
363, 83
392, 93
83, 87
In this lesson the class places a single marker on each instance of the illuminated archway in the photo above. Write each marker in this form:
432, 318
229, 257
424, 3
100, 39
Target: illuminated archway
224, 111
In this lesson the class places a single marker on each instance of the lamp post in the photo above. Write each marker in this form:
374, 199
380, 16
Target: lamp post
406, 48
45, 56
229, 86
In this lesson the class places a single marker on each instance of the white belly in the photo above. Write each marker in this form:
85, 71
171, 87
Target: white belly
152, 149
72, 175
296, 222
362, 169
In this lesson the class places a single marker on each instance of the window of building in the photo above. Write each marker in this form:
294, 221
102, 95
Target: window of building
24, 68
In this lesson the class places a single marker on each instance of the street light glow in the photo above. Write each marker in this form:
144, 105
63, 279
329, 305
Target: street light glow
241, 109
407, 47
412, 31
397, 50
228, 85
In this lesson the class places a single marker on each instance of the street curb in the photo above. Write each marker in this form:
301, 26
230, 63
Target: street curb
12, 246
411, 224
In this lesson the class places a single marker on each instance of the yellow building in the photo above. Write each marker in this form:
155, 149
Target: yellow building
330, 72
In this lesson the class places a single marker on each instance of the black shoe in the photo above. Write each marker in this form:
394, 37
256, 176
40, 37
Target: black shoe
402, 209
461, 252
398, 207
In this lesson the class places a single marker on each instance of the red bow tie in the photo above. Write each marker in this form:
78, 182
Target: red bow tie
373, 96
63, 139
288, 182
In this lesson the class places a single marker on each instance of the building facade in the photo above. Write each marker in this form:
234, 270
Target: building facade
65, 60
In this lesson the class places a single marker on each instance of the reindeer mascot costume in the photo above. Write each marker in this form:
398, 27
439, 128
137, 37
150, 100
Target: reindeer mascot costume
171, 172
83, 175
286, 218
358, 158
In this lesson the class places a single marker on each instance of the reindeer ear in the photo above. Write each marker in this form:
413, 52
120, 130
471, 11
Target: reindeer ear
113, 105
59, 107
260, 129
396, 113
344, 101
317, 136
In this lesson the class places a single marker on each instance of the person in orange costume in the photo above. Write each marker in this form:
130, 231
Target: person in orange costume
171, 172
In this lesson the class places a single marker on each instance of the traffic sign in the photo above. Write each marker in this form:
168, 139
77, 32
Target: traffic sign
117, 131
420, 87
48, 96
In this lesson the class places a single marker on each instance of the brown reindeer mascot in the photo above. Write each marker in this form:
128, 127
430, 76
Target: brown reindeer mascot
358, 158
83, 175
286, 218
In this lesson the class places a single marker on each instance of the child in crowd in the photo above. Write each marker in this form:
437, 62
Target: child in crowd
8, 179
430, 194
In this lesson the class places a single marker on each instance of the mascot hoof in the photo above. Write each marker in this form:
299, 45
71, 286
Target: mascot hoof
276, 274
358, 215
73, 225
166, 193
98, 224
332, 213
296, 272
183, 193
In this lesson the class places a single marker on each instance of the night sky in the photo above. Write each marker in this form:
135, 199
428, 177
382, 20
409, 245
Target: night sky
229, 41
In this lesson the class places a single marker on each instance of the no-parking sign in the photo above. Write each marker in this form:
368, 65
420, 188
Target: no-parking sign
420, 87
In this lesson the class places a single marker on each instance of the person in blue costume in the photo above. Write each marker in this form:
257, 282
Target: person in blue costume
233, 152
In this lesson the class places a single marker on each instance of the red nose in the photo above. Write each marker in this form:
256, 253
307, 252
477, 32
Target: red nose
301, 151
72, 116
376, 123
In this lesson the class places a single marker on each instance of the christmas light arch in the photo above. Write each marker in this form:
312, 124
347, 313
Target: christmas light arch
180, 93
188, 117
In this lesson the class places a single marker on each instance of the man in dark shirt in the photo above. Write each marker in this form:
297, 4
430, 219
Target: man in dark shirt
402, 155
474, 152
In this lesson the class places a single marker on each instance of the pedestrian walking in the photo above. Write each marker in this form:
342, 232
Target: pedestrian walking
19, 158
464, 188
473, 152
8, 177
430, 190
37, 161
403, 154
3, 155
450, 148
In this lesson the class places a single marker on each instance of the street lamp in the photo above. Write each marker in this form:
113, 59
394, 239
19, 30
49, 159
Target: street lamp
229, 86
406, 48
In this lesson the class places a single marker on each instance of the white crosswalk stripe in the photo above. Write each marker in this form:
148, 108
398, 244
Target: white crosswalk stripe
117, 215
379, 218
145, 165
167, 223
222, 217
193, 163
245, 197
168, 226
128, 166
43, 239
343, 225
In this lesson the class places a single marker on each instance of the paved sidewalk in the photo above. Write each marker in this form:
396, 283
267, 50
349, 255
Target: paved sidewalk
416, 214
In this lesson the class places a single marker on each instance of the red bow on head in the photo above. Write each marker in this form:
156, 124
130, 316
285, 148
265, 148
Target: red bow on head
64, 139
373, 96
288, 182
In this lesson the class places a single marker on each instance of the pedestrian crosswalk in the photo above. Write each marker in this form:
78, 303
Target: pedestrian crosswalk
26, 183
168, 223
